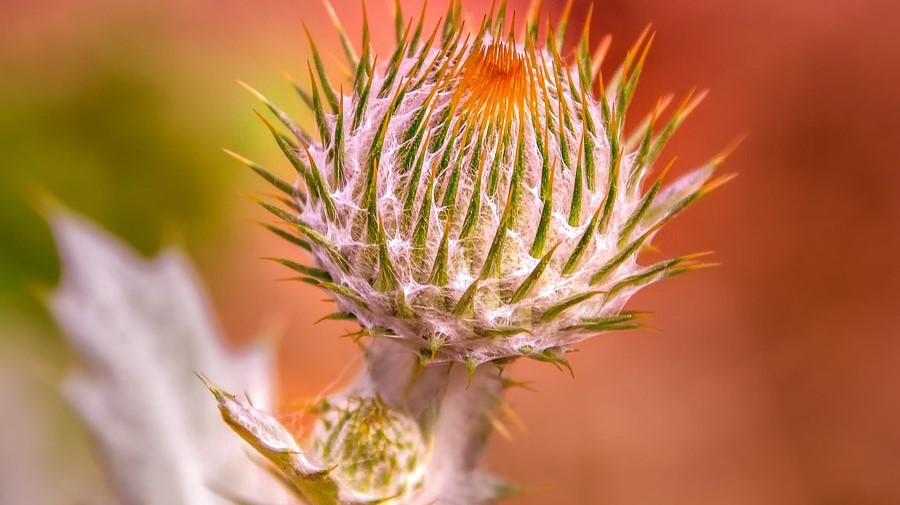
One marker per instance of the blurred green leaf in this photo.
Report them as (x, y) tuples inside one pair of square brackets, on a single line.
[(113, 146)]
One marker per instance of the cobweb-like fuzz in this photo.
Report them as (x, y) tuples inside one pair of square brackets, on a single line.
[(473, 198)]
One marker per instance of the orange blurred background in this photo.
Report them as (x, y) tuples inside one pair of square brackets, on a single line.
[(772, 379)]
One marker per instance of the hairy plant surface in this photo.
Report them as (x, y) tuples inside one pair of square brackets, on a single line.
[(474, 198)]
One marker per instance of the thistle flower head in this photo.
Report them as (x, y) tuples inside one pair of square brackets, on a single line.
[(475, 195)]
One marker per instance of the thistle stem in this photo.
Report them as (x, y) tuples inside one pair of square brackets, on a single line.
[(453, 409)]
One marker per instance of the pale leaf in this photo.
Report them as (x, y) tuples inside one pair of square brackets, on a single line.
[(142, 327)]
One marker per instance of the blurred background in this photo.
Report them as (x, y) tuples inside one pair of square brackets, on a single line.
[(773, 379)]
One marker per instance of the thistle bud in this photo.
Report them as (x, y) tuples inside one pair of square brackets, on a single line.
[(373, 449), (476, 197)]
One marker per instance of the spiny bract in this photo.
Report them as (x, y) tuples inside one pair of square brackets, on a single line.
[(473, 198)]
